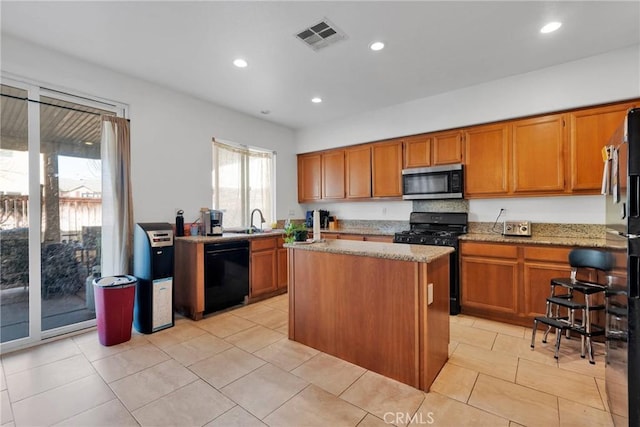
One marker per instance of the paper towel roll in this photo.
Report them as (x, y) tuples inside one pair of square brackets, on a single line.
[(316, 225)]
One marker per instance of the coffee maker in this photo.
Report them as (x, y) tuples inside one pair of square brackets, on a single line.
[(324, 219), (211, 222)]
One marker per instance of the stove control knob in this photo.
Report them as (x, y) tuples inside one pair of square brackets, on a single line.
[(423, 240)]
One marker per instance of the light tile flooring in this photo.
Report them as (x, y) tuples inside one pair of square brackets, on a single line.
[(239, 369)]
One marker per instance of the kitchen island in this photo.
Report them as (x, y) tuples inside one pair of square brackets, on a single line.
[(381, 306)]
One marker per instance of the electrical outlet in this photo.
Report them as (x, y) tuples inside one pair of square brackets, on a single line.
[(384, 211), (292, 212)]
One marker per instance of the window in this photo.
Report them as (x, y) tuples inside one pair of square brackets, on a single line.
[(243, 180)]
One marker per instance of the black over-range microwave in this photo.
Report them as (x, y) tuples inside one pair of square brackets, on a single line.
[(437, 182)]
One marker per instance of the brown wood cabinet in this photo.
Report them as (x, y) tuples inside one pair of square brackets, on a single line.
[(358, 172), (378, 238), (539, 267), (538, 147), (346, 236), (386, 172), (487, 150), (283, 275), (333, 182), (264, 267), (509, 282), (590, 130), (447, 147), (361, 237), (431, 149), (338, 302), (309, 177), (553, 154), (417, 151), (489, 277)]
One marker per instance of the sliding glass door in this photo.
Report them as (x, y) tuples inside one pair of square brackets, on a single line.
[(52, 212), (14, 215)]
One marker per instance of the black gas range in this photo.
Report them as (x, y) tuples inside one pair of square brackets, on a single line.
[(439, 229)]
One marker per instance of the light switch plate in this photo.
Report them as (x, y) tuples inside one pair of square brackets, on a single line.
[(517, 228)]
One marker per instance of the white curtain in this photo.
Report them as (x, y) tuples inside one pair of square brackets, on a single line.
[(242, 181), (117, 201)]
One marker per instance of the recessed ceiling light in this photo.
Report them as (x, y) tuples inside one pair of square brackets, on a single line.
[(316, 100), (550, 27), (376, 46), (240, 63)]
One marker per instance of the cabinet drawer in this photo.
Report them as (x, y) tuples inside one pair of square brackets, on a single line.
[(262, 244), (384, 239), (560, 255), (489, 250), (351, 237)]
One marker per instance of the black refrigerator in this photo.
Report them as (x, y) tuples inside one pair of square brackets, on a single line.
[(621, 183)]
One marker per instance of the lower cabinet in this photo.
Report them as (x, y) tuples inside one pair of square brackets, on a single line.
[(283, 271), (489, 277), (539, 267), (509, 282), (265, 276), (359, 237)]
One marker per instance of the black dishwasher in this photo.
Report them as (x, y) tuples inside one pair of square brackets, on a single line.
[(226, 274)]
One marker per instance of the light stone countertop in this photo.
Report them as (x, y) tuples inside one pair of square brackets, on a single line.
[(229, 237), (537, 240), (396, 251)]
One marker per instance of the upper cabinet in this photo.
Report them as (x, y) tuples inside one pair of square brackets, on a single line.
[(591, 129), (447, 147), (431, 149), (309, 177), (553, 154), (358, 172), (486, 155), (520, 157), (386, 172), (538, 147), (417, 151), (333, 174)]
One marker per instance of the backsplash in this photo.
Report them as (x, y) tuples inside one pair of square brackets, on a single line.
[(457, 205), (380, 226), (545, 229)]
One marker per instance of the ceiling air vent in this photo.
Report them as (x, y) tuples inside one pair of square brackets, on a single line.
[(321, 35)]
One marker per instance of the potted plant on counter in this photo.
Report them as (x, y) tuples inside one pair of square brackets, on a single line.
[(295, 232)]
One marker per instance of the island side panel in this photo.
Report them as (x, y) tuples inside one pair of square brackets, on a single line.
[(360, 309), (314, 298), (377, 315), (434, 319), (189, 279)]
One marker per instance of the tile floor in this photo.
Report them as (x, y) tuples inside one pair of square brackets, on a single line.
[(239, 369)]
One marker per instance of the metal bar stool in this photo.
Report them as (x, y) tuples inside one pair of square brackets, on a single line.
[(562, 304)]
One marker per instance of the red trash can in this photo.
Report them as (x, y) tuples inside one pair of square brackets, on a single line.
[(114, 297)]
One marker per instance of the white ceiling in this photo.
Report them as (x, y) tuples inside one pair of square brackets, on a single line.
[(432, 47)]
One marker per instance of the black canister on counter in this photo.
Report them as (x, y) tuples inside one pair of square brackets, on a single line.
[(180, 223)]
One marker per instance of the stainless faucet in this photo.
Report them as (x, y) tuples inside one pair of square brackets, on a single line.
[(262, 220)]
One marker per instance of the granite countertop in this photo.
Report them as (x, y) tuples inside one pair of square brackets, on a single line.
[(400, 252), (228, 237), (592, 242)]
